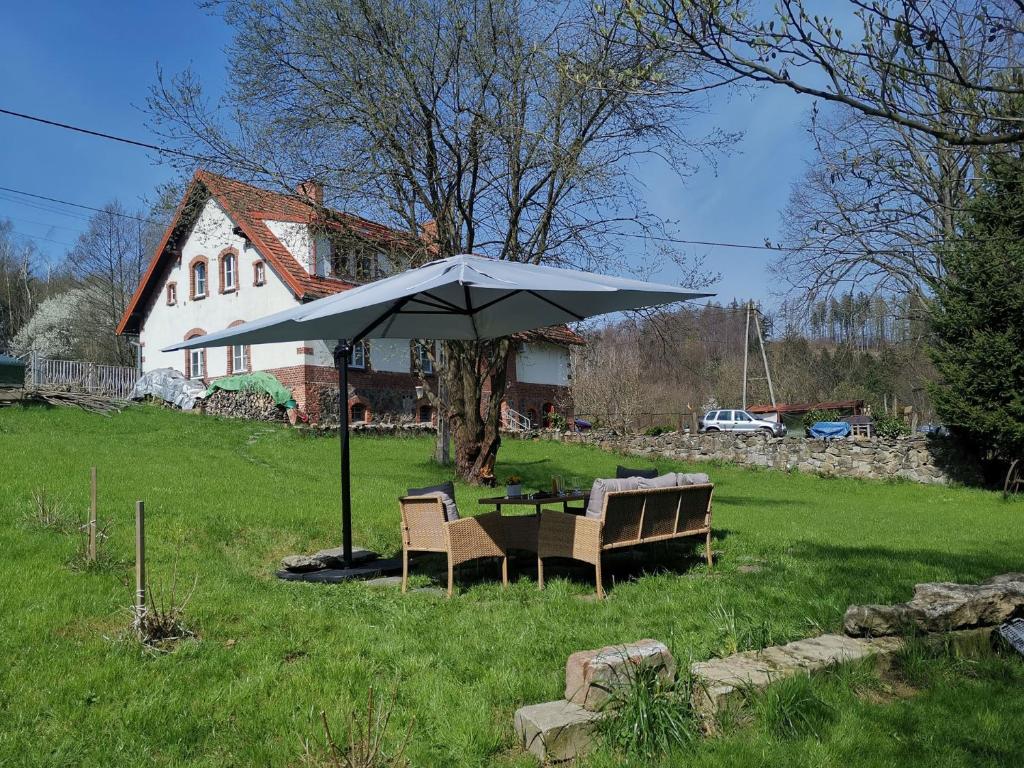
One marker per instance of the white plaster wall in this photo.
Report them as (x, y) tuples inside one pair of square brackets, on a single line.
[(166, 325), (542, 363), (297, 239)]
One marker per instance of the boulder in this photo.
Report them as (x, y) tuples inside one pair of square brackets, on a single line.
[(941, 607), (301, 563), (556, 730), (591, 677)]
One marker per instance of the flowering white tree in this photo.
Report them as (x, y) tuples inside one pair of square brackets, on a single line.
[(55, 328)]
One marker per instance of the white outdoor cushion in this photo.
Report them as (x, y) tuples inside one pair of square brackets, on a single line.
[(601, 486), (692, 478)]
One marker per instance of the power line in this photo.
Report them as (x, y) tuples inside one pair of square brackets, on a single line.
[(78, 205), (102, 135)]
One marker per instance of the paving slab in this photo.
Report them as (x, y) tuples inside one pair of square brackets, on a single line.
[(724, 682), (556, 730)]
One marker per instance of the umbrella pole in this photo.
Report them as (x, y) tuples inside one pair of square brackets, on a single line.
[(341, 352)]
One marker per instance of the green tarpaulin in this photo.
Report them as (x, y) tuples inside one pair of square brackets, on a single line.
[(254, 382)]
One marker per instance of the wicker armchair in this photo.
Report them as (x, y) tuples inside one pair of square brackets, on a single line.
[(629, 518), (424, 529)]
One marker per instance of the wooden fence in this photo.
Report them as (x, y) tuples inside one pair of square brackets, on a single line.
[(111, 380)]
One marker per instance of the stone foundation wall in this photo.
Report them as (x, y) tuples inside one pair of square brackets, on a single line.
[(919, 458)]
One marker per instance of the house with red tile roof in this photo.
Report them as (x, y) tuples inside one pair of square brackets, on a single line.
[(234, 252)]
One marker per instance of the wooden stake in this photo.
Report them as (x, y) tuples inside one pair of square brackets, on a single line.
[(140, 558), (92, 517)]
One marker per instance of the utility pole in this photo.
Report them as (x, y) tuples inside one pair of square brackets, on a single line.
[(746, 347), (764, 357)]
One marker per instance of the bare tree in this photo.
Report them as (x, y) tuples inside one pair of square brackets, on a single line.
[(110, 258), (512, 126), (895, 50)]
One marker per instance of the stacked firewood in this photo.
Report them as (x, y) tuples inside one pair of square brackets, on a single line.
[(255, 406)]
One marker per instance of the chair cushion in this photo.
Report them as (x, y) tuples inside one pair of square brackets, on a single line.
[(693, 478), (668, 480), (601, 486), (621, 471), (446, 492)]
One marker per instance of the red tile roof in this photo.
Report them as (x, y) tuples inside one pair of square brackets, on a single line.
[(250, 208), (556, 334)]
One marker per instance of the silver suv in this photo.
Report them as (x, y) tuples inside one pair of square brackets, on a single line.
[(739, 421)]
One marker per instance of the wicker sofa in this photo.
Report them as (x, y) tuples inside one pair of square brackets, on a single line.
[(425, 529), (627, 518)]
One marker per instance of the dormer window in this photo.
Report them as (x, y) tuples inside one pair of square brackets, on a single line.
[(198, 277), (172, 294), (259, 273), (228, 272)]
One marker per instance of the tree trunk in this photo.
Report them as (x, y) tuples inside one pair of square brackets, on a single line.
[(475, 415)]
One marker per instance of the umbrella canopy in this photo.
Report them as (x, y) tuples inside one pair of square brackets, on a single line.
[(461, 297)]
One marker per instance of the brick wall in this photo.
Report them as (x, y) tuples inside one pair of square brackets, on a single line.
[(315, 389)]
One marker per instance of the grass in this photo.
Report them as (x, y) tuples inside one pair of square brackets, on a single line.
[(225, 500)]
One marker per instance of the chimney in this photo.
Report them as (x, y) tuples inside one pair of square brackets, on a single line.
[(312, 190)]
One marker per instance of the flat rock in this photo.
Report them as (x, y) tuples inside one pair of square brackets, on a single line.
[(335, 557), (719, 682), (302, 563), (941, 607), (556, 730), (591, 677)]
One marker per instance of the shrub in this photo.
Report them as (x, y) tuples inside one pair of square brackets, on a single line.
[(658, 430), (812, 417), (365, 741), (890, 427), (160, 624)]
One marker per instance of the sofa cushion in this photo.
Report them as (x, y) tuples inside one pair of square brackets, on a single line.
[(621, 471), (693, 478), (601, 486), (668, 480), (444, 491)]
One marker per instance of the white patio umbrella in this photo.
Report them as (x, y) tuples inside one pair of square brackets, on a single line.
[(461, 297)]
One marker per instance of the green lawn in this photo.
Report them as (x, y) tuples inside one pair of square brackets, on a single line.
[(225, 500)]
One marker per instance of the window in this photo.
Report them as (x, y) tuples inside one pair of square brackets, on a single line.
[(422, 358), (239, 358), (725, 415), (358, 411), (426, 414), (199, 280), (357, 356), (365, 267), (197, 363), (172, 294), (228, 273), (259, 273), (742, 416)]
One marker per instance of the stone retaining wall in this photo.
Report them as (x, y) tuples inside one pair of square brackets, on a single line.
[(919, 458)]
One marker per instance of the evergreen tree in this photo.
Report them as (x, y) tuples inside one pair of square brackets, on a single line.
[(977, 317)]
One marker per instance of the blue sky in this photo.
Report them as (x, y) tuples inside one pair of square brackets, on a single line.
[(91, 64)]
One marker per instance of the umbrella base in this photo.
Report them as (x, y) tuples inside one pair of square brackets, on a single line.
[(368, 570)]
